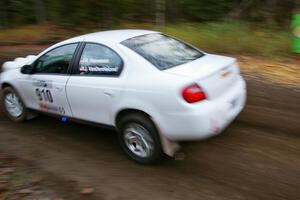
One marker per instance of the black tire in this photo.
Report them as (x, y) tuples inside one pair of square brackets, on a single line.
[(143, 122), (20, 118)]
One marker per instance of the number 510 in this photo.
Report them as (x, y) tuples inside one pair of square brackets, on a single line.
[(44, 95)]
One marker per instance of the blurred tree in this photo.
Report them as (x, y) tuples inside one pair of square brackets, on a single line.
[(40, 14), (18, 12), (239, 8), (160, 12), (173, 14), (297, 6), (3, 14), (269, 11), (274, 12), (284, 11), (202, 10), (105, 13)]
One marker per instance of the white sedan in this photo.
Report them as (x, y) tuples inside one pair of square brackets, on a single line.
[(154, 89)]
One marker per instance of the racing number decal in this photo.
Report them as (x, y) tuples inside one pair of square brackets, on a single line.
[(44, 95), (42, 90), (45, 98)]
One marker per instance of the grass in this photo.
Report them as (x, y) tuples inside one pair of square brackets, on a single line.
[(33, 34), (235, 38), (225, 37)]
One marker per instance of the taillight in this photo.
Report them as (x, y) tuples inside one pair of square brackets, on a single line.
[(193, 93)]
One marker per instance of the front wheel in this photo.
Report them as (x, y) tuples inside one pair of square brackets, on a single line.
[(13, 105), (139, 139)]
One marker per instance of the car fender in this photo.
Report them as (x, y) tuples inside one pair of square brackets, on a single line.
[(10, 77), (169, 147), (18, 62)]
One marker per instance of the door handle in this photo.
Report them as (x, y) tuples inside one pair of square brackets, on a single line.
[(109, 93), (58, 88)]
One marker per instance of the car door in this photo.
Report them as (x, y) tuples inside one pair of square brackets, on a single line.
[(96, 83), (44, 89)]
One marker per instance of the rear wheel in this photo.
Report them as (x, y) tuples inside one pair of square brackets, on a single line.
[(139, 139), (13, 105)]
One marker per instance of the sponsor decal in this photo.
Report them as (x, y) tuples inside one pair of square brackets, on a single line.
[(64, 119), (52, 108), (43, 106), (92, 61), (103, 68), (42, 83)]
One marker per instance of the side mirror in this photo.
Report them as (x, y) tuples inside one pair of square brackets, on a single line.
[(27, 69)]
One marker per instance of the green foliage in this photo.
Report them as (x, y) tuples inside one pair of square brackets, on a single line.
[(224, 37), (34, 34), (205, 10), (233, 26), (234, 37), (105, 13)]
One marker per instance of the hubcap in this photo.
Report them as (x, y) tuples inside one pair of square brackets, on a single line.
[(13, 105), (138, 140)]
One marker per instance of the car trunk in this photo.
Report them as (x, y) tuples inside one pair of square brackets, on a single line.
[(214, 74)]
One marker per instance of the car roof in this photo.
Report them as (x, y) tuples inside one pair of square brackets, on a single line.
[(113, 36), (104, 37)]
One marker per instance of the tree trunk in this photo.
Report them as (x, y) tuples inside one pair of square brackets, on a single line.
[(172, 14), (297, 6), (106, 20), (269, 11), (237, 12), (3, 15), (160, 13), (39, 8)]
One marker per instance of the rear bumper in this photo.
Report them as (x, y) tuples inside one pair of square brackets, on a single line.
[(207, 118)]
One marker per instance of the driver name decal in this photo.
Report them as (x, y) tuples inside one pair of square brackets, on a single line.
[(42, 83)]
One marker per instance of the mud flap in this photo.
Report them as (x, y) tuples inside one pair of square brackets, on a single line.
[(169, 147)]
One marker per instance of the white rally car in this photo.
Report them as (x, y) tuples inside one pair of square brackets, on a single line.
[(154, 89)]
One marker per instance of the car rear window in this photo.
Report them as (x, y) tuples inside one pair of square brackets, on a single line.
[(162, 51)]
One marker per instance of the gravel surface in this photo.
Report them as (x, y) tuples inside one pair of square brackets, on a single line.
[(257, 157)]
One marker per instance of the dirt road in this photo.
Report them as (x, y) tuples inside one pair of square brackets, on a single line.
[(257, 157)]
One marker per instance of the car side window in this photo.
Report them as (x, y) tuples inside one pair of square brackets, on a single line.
[(98, 59), (55, 61)]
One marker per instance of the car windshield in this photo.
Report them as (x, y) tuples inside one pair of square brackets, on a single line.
[(162, 51)]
